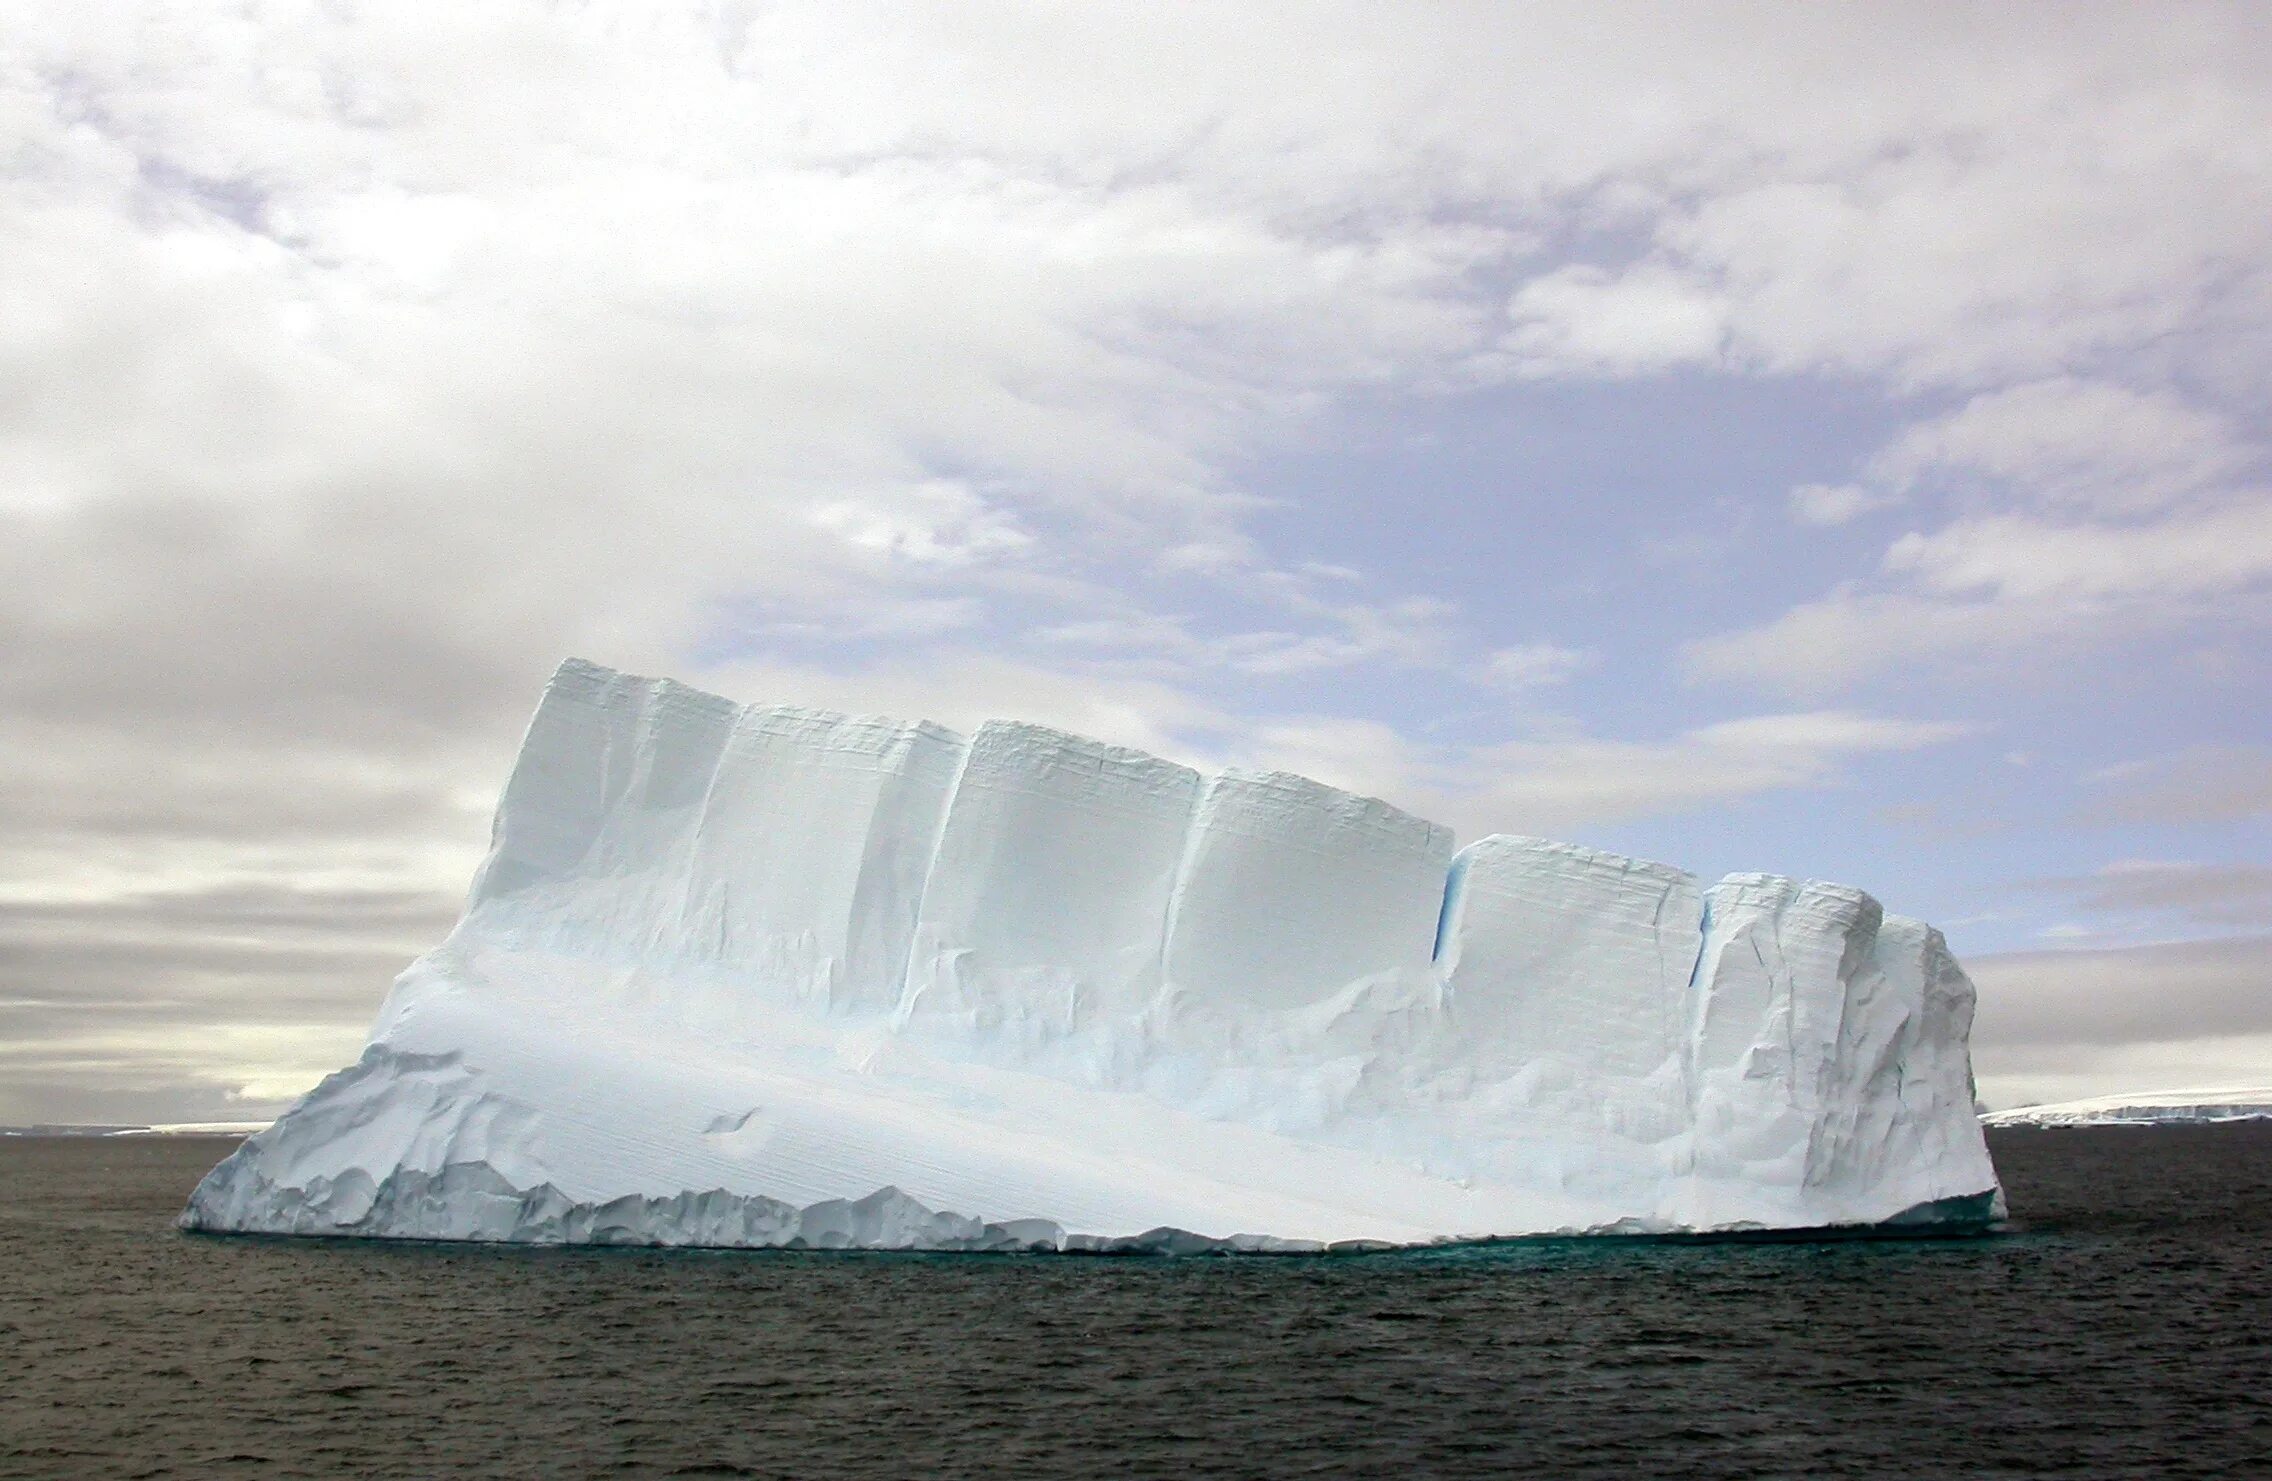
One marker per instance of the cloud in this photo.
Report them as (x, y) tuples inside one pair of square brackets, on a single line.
[(2125, 534), (217, 1001), (1322, 632), (936, 522), (357, 371), (2079, 511), (2201, 784), (1945, 267), (1535, 665), (2017, 559), (355, 366), (1568, 782), (2070, 444), (1558, 784), (1942, 257), (2195, 893), (2002, 588), (1582, 319), (2037, 1076), (1836, 503), (2062, 1024), (2066, 446), (2084, 514), (2181, 990)]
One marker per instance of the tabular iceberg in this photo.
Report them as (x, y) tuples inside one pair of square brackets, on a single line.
[(770, 976)]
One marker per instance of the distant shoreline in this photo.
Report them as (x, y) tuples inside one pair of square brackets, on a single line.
[(183, 1128)]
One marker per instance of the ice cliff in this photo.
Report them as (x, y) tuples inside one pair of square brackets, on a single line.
[(770, 976)]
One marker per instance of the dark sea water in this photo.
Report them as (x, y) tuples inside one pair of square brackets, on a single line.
[(2122, 1332)]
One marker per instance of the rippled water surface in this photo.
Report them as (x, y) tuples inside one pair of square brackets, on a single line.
[(2121, 1333)]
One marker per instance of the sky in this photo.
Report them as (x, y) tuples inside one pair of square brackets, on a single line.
[(1823, 440)]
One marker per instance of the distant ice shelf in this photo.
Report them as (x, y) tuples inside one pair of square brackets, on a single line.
[(177, 1128), (773, 976), (2146, 1108)]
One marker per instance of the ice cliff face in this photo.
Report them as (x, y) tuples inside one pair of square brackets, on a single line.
[(768, 976)]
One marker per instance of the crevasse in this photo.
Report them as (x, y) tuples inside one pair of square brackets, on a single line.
[(725, 966)]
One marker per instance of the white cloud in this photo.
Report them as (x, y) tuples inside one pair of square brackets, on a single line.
[(2014, 557), (1536, 665), (1323, 622), (2071, 445), (1584, 320), (355, 364), (1836, 503), (1986, 590), (2068, 447), (936, 522), (1853, 634), (1362, 756), (1563, 783)]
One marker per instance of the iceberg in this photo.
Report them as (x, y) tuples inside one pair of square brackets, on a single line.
[(769, 976), (2146, 1108)]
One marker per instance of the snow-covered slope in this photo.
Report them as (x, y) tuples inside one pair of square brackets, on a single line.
[(2147, 1108), (773, 976)]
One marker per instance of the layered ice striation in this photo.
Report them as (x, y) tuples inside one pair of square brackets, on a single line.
[(2201, 1107), (772, 976)]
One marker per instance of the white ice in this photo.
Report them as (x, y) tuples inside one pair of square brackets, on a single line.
[(2147, 1108), (766, 975)]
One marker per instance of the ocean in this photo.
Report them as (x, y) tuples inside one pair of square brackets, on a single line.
[(2122, 1330)]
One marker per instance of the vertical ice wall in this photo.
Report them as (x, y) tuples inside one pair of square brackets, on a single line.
[(815, 838), (1772, 980), (783, 848), (1830, 1054), (1905, 1104), (592, 837), (1765, 1034), (1047, 901), (1290, 890), (1569, 972)]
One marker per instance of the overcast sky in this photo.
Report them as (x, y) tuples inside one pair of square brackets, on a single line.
[(1829, 440)]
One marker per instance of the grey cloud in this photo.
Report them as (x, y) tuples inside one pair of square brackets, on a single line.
[(2203, 784), (111, 1093), (2205, 894), (256, 951), (246, 795), (168, 1005), (2125, 995), (241, 907), (2023, 1075)]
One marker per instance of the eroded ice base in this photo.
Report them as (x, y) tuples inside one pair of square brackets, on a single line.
[(458, 1167)]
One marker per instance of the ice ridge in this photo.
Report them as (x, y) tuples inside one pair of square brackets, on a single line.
[(726, 966)]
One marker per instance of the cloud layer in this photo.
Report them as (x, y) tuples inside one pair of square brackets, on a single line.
[(355, 366)]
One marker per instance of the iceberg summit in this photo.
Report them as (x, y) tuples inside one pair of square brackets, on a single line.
[(748, 976)]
